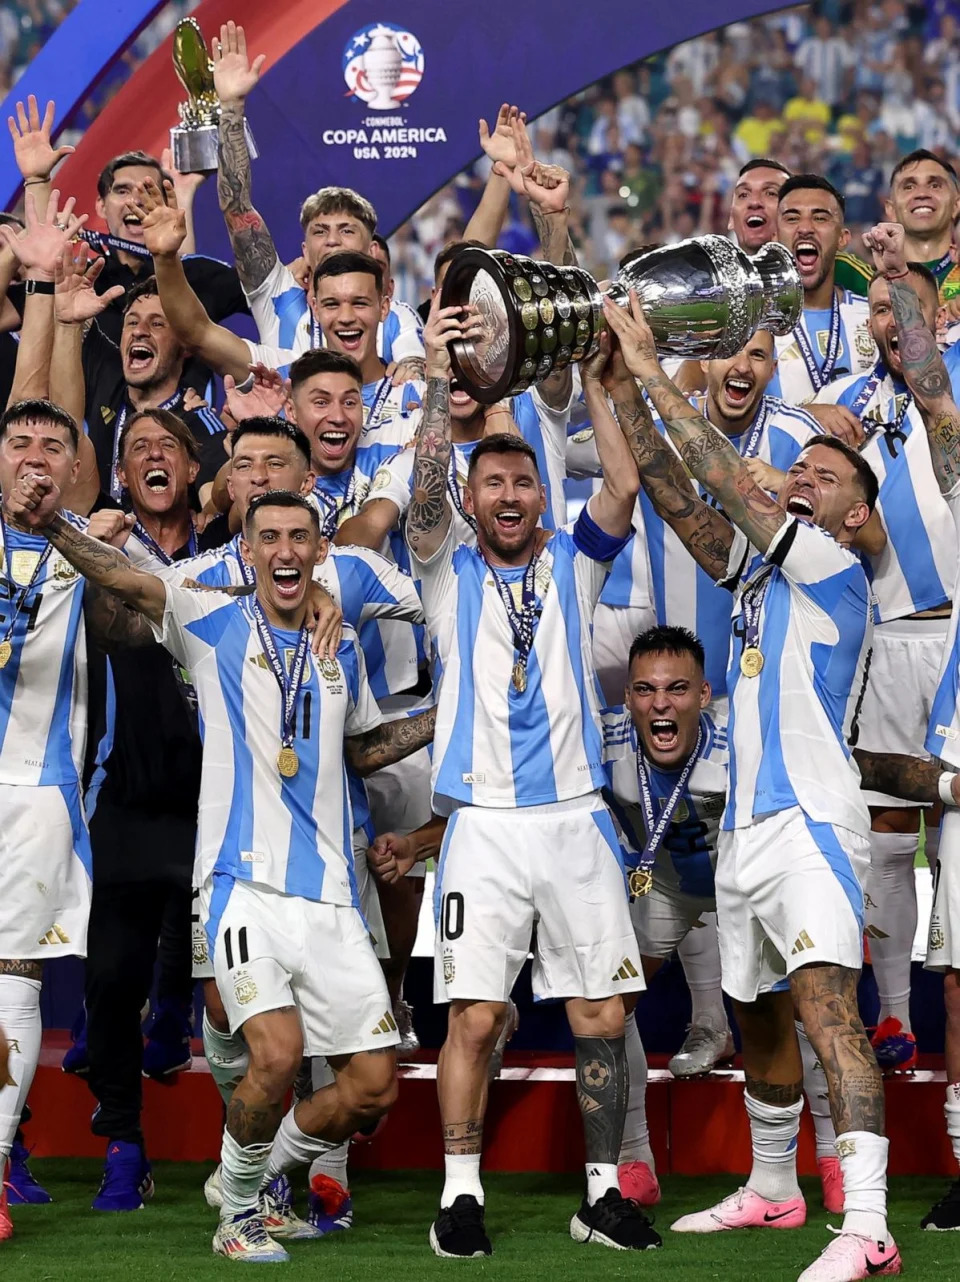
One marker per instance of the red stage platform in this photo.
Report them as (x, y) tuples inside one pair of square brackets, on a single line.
[(698, 1126)]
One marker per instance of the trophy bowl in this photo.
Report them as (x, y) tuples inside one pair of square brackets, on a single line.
[(703, 298)]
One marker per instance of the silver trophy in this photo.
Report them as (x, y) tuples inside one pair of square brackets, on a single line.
[(194, 141), (703, 298)]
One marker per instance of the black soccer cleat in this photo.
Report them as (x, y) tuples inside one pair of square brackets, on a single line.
[(458, 1233), (614, 1221), (944, 1215)]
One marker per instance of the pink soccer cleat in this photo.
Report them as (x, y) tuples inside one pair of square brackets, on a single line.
[(638, 1183), (850, 1257), (744, 1210), (831, 1181), (6, 1224)]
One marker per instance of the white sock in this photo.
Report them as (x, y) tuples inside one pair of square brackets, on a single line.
[(863, 1159), (931, 844), (242, 1168), (292, 1147), (699, 954), (773, 1138), (951, 1111), (818, 1097), (228, 1057), (20, 1020), (462, 1175), (601, 1177), (635, 1145), (890, 895), (333, 1164)]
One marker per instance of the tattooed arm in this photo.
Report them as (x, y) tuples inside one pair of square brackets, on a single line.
[(234, 77), (705, 451), (112, 624), (923, 369), (911, 778), (704, 531), (389, 742)]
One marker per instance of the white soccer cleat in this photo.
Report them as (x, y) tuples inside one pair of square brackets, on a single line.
[(850, 1257), (243, 1238), (279, 1217), (510, 1025), (703, 1049), (213, 1190), (744, 1210)]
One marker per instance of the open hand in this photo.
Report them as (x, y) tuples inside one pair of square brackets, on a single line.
[(234, 77), (499, 144), (33, 151), (75, 299), (43, 240), (163, 223)]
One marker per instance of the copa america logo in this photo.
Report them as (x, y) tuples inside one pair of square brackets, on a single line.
[(382, 65)]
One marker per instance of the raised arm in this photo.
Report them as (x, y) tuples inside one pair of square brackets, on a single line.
[(923, 369), (704, 532), (34, 504), (707, 453), (389, 742), (487, 220), (164, 228), (234, 78), (76, 303), (33, 151), (612, 507)]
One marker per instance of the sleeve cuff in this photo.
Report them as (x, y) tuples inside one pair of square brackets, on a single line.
[(594, 542)]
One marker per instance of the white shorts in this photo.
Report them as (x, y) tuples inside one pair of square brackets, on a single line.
[(558, 868), (273, 950), (399, 797), (897, 702), (943, 940), (614, 630), (788, 895), (663, 918), (45, 866), (202, 961)]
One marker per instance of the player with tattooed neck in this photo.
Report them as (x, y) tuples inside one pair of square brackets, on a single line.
[(793, 845), (927, 378), (518, 767)]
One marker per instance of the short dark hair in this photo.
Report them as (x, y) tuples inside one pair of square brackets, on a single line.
[(501, 443), (146, 288), (170, 423), (814, 182), (381, 241), (920, 270), (124, 161), (450, 252), (921, 153), (37, 410), (264, 425), (865, 473), (279, 498), (345, 262), (764, 162), (321, 360), (667, 640)]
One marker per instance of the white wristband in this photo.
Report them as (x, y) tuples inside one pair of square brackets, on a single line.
[(945, 787)]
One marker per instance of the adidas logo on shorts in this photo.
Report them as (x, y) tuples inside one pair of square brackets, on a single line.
[(803, 942), (387, 1025), (627, 971)]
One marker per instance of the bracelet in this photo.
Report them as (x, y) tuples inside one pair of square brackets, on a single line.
[(896, 275), (32, 182), (39, 287), (944, 787)]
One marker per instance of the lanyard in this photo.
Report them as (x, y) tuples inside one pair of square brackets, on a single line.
[(945, 262), (456, 498), (376, 411), (151, 544), (522, 622), (870, 386), (892, 432), (820, 377), (289, 683), (656, 828), (115, 487), (751, 603), (330, 517), (756, 431), (6, 648), (247, 572), (105, 243)]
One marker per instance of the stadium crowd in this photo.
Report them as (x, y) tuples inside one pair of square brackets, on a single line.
[(652, 657)]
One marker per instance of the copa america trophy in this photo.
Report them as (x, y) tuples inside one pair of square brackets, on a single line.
[(702, 298), (194, 141)]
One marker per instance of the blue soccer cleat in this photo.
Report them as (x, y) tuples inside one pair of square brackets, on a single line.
[(127, 1180), (22, 1186), (329, 1206)]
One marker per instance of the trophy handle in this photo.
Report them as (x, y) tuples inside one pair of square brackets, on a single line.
[(782, 288)]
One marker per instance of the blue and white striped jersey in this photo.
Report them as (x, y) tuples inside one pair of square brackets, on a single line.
[(293, 835), (790, 726), (943, 732), (280, 309), (690, 843), (917, 568), (43, 684), (495, 745), (858, 353)]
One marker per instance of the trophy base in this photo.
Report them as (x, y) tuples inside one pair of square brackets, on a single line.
[(195, 149)]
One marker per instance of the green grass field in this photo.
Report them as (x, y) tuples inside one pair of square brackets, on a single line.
[(527, 1216)]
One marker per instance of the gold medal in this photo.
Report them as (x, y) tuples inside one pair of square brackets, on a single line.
[(751, 661), (640, 882), (6, 651), (519, 677), (288, 763)]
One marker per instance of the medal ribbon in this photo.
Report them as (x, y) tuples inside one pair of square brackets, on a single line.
[(656, 828), (97, 240), (20, 601), (376, 411), (151, 544), (756, 431), (751, 603), (456, 498), (289, 683), (247, 572), (892, 431), (820, 377), (866, 392), (330, 517), (115, 487), (522, 622)]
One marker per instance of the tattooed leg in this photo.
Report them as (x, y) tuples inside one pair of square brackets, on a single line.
[(772, 1068), (602, 1085), (472, 1031)]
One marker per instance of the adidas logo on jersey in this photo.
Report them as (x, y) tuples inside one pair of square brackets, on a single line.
[(803, 942), (627, 971), (55, 935), (387, 1025)]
